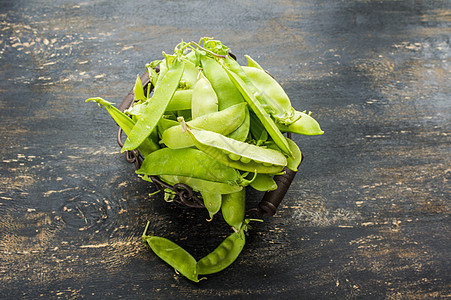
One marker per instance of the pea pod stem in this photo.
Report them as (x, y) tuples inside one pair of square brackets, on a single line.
[(224, 255), (206, 50), (174, 255)]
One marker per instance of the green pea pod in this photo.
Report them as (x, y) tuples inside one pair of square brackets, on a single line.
[(212, 202), (279, 109), (126, 124), (242, 132), (305, 125), (164, 124), (233, 208), (264, 182), (252, 63), (272, 93), (227, 93), (260, 112), (189, 77), (204, 100), (164, 67), (136, 110), (256, 127), (236, 154), (181, 100), (173, 254), (224, 122), (224, 255), (199, 185), (190, 163), (139, 90), (294, 162), (156, 107)]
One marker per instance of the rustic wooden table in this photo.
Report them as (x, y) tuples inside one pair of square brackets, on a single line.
[(367, 216)]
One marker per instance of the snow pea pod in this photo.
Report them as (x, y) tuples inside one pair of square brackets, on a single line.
[(273, 93), (233, 208), (191, 163), (224, 255), (260, 112), (126, 124), (138, 90), (204, 99), (271, 106), (305, 125), (252, 63), (236, 154), (242, 132), (172, 254), (226, 91), (164, 124), (212, 202), (224, 122), (181, 100), (189, 77), (294, 162), (199, 185), (158, 103), (264, 182)]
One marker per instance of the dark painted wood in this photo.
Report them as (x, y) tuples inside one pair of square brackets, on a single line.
[(367, 215)]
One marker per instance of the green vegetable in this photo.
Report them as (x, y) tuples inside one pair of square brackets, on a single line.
[(173, 254), (232, 138), (155, 110)]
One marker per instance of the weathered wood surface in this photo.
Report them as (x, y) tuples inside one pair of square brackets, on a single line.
[(367, 216)]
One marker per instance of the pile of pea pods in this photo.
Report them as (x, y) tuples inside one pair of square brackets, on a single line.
[(216, 126)]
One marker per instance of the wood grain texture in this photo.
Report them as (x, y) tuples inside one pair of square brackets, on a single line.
[(367, 215)]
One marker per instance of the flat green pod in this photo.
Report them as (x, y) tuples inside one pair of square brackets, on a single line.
[(233, 209), (212, 202), (173, 254), (263, 183), (304, 124), (228, 95), (259, 111), (202, 185), (204, 99), (294, 162), (156, 107), (224, 122), (224, 255), (181, 100), (238, 155), (275, 95), (188, 162)]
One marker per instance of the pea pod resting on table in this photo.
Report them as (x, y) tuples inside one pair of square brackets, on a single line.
[(182, 261), (173, 254)]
